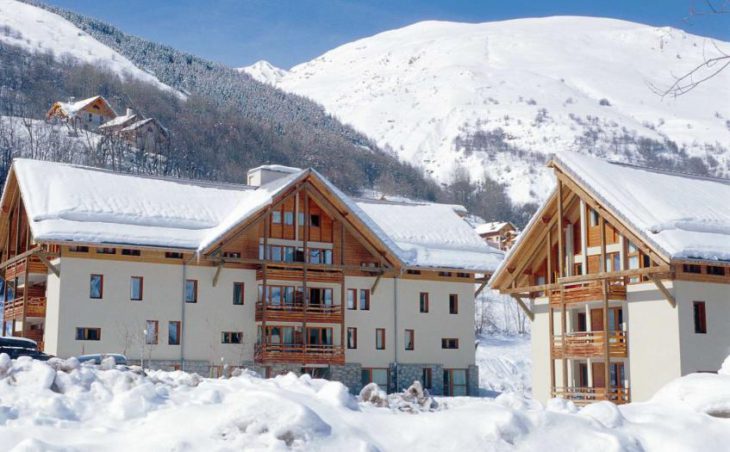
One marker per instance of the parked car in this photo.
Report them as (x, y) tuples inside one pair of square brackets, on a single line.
[(97, 358), (16, 347)]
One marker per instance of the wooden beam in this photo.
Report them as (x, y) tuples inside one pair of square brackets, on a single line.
[(20, 256), (602, 230), (606, 343), (55, 270), (217, 272), (530, 289), (663, 289), (481, 287), (375, 284), (524, 307), (661, 269), (561, 252)]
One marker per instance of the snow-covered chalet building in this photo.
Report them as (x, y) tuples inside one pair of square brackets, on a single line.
[(626, 273), (285, 273)]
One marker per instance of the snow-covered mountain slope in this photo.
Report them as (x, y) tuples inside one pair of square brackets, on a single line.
[(500, 96), (264, 72), (36, 29)]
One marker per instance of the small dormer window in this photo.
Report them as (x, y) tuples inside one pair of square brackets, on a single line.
[(91, 117)]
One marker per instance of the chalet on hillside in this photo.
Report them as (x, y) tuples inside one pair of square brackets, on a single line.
[(86, 114), (285, 274), (625, 272), (500, 234)]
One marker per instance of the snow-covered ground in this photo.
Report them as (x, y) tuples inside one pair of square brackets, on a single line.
[(61, 406), (504, 364), (548, 84)]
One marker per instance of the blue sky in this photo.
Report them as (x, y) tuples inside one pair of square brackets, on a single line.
[(240, 32)]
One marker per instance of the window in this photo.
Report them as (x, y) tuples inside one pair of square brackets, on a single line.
[(364, 299), (78, 249), (455, 382), (426, 378), (593, 217), (445, 274), (136, 287), (173, 255), (463, 275), (413, 272), (692, 268), (96, 286), (231, 337), (191, 291), (314, 221), (380, 339), (453, 303), (377, 376), (449, 343), (238, 293), (715, 270), (173, 333), (351, 299), (700, 317), (231, 254), (613, 262), (88, 334), (288, 218), (423, 302), (351, 338), (130, 252), (276, 217), (106, 251), (320, 296), (151, 332), (319, 336), (409, 339)]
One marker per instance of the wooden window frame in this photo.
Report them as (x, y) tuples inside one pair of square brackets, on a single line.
[(699, 314), (454, 308), (715, 270), (370, 370), (352, 333), (141, 288), (243, 293), (423, 302), (101, 286), (446, 341), (449, 388), (320, 335), (412, 333), (156, 325), (78, 249), (131, 252), (367, 299), (427, 378), (195, 291), (378, 333), (274, 214), (84, 330), (106, 250), (355, 300), (692, 268), (229, 335), (178, 329), (173, 255)]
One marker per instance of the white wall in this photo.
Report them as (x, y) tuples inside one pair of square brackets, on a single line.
[(540, 337)]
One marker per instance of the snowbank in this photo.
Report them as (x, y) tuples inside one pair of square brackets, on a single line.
[(62, 406)]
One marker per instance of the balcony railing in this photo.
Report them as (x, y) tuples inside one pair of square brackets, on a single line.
[(36, 307), (588, 291), (586, 395), (587, 344), (299, 312), (299, 353)]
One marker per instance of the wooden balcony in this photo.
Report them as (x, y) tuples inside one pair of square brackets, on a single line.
[(589, 291), (299, 312), (299, 353), (584, 344), (18, 268), (14, 309), (584, 395), (319, 274)]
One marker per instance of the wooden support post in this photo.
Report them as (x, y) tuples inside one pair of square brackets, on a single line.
[(602, 224), (663, 289), (375, 284), (343, 291), (563, 333), (218, 269), (551, 328), (523, 306), (561, 258), (606, 355), (481, 288), (264, 288), (549, 254), (26, 283), (305, 240), (55, 270)]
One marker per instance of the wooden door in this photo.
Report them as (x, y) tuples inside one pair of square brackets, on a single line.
[(597, 319), (599, 376)]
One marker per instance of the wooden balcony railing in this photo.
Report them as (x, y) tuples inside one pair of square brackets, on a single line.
[(589, 344), (299, 353), (14, 308), (299, 312), (586, 395), (588, 291), (319, 274), (18, 268)]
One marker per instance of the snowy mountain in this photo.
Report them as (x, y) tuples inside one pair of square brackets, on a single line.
[(38, 30), (501, 96), (264, 72)]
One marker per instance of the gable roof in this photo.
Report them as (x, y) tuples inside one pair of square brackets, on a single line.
[(495, 226), (119, 121), (143, 122), (681, 216), (80, 204), (70, 109)]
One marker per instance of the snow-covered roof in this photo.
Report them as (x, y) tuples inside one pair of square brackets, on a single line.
[(142, 122), (72, 108), (431, 235), (277, 168), (118, 121), (488, 228), (74, 203), (683, 216)]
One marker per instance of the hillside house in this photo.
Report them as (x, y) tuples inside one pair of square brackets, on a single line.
[(625, 272), (87, 114), (289, 274), (146, 135), (500, 234)]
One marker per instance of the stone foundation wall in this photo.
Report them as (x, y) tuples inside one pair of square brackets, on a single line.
[(349, 375), (473, 380)]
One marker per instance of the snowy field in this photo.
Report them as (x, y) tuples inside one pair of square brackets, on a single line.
[(504, 364), (61, 406)]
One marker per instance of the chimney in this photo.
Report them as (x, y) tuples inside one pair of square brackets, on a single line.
[(130, 112), (266, 173)]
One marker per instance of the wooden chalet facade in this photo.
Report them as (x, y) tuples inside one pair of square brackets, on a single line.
[(289, 276), (500, 234), (619, 282), (87, 114)]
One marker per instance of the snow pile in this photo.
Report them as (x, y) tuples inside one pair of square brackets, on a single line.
[(38, 30), (504, 364), (538, 84), (63, 406)]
